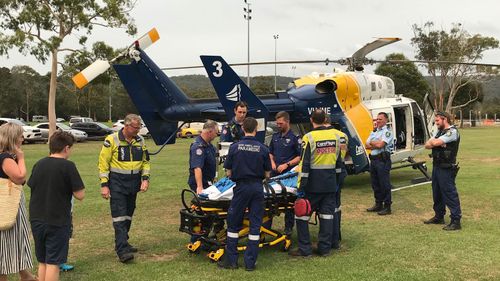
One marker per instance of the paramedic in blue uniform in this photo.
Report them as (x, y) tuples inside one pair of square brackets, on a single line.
[(381, 143), (318, 182), (284, 151), (202, 163), (247, 164), (444, 171), (232, 131)]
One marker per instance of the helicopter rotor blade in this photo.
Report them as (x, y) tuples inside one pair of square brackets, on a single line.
[(325, 61), (98, 67)]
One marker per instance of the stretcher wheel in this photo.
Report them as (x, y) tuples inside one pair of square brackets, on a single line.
[(194, 247), (215, 256), (286, 245)]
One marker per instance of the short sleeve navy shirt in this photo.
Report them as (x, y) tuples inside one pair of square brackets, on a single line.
[(202, 155), (284, 147), (248, 159)]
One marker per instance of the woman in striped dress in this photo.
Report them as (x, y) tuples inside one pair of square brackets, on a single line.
[(15, 250)]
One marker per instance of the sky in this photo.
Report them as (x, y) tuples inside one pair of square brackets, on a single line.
[(307, 30)]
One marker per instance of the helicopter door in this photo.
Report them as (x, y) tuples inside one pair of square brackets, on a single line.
[(402, 123), (419, 129)]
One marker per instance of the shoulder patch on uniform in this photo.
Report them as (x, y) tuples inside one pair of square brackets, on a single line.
[(387, 134), (199, 151), (106, 143), (448, 134)]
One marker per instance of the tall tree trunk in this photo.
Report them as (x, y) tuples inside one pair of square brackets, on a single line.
[(52, 94)]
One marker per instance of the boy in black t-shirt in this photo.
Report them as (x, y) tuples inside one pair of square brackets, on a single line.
[(53, 181)]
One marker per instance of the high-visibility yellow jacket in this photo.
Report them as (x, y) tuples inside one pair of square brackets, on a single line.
[(119, 156), (321, 149), (344, 141)]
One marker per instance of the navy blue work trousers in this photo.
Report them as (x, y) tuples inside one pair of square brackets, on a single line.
[(444, 193), (381, 183), (123, 191), (324, 204), (247, 194)]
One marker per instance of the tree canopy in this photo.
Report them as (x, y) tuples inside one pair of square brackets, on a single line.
[(407, 79), (39, 28), (455, 45)]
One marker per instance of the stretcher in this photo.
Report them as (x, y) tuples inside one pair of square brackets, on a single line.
[(204, 215)]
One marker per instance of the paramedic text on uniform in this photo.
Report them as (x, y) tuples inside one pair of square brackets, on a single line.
[(318, 182), (444, 171), (381, 142), (247, 164), (232, 131), (124, 170)]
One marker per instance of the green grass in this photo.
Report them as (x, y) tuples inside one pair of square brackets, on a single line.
[(396, 247)]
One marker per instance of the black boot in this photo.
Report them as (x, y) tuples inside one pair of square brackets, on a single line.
[(386, 210), (454, 225), (375, 208), (434, 220)]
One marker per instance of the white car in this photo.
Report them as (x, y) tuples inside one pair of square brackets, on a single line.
[(30, 134), (44, 129), (74, 120), (121, 123)]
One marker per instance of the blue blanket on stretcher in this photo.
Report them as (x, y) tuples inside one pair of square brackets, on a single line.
[(223, 189)]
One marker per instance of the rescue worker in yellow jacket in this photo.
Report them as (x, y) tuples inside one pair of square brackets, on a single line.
[(124, 171), (341, 175), (318, 182)]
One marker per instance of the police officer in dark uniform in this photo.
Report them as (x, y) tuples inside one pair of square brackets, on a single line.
[(318, 181), (285, 154), (202, 163), (232, 131), (381, 142), (247, 164), (444, 171)]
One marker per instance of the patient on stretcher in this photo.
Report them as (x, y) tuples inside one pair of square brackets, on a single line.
[(223, 189)]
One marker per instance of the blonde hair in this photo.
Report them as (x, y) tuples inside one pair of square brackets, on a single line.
[(9, 135)]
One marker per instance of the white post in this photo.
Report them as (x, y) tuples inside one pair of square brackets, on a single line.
[(275, 59)]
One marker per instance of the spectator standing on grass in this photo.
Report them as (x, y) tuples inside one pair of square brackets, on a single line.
[(15, 249), (54, 181)]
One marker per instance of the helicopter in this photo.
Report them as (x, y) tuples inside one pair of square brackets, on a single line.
[(352, 99)]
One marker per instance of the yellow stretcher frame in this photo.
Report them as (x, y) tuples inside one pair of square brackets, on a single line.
[(276, 237)]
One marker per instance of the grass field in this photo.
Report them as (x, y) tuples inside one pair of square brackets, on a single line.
[(396, 247)]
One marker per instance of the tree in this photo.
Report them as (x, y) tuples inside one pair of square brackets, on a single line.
[(40, 28), (457, 45), (91, 95), (407, 79)]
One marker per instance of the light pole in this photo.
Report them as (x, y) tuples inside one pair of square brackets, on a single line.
[(293, 71), (470, 118), (275, 57), (248, 17)]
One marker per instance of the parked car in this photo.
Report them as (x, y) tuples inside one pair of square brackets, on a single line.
[(44, 129), (190, 130), (30, 134), (93, 129), (121, 123), (74, 120), (39, 118)]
